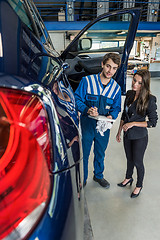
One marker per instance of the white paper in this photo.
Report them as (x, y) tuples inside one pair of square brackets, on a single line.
[(103, 118)]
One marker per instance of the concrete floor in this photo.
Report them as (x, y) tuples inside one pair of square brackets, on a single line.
[(113, 214)]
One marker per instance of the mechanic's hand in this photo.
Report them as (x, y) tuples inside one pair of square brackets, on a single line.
[(109, 116), (93, 111)]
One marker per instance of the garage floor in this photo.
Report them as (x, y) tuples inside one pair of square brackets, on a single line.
[(113, 214)]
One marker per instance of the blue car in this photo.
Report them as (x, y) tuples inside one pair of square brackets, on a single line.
[(41, 174)]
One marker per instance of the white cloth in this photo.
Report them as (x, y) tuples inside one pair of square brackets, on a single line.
[(102, 126)]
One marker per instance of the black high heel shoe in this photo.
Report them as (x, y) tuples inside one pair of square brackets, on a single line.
[(133, 195), (123, 185)]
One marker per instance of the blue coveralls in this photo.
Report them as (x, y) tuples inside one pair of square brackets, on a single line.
[(91, 92)]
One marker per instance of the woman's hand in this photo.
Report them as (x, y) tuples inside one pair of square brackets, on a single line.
[(127, 126), (118, 137)]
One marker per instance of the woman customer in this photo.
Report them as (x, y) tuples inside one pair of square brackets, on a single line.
[(139, 114)]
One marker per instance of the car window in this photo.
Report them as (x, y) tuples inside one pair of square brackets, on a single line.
[(38, 22), (104, 36), (19, 7), (42, 31), (41, 26), (44, 69), (29, 15)]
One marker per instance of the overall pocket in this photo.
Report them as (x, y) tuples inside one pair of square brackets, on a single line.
[(105, 105), (92, 100)]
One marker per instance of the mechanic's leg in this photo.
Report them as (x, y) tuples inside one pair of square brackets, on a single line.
[(87, 140), (100, 145)]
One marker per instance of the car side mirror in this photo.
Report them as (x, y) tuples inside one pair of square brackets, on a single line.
[(85, 43)]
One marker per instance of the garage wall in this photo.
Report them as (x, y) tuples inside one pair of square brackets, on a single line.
[(155, 57), (58, 40), (155, 47)]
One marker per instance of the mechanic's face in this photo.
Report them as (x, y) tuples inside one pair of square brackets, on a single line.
[(109, 69)]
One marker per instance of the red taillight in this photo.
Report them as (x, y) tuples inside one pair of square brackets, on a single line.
[(24, 174)]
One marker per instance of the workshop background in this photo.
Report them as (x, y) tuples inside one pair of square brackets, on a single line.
[(113, 215)]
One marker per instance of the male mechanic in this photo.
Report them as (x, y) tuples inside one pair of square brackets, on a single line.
[(96, 95)]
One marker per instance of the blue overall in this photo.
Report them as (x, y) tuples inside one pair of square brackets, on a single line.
[(91, 92)]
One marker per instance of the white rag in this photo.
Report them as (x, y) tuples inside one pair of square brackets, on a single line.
[(102, 126)]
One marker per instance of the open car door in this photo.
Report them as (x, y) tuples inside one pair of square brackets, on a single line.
[(110, 32)]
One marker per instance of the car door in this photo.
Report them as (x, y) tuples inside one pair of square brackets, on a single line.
[(110, 32)]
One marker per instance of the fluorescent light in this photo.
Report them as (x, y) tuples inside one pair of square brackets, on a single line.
[(122, 32)]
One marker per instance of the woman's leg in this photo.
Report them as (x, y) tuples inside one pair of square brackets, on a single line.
[(139, 147), (128, 151)]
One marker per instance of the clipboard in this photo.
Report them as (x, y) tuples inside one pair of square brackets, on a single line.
[(103, 118)]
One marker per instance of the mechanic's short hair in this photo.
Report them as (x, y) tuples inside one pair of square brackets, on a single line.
[(113, 56)]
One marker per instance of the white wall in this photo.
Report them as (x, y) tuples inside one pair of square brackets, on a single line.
[(155, 46), (58, 40)]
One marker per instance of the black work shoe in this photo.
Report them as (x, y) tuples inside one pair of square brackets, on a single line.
[(84, 184), (103, 182)]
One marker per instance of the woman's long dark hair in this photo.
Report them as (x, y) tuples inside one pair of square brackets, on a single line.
[(143, 98)]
